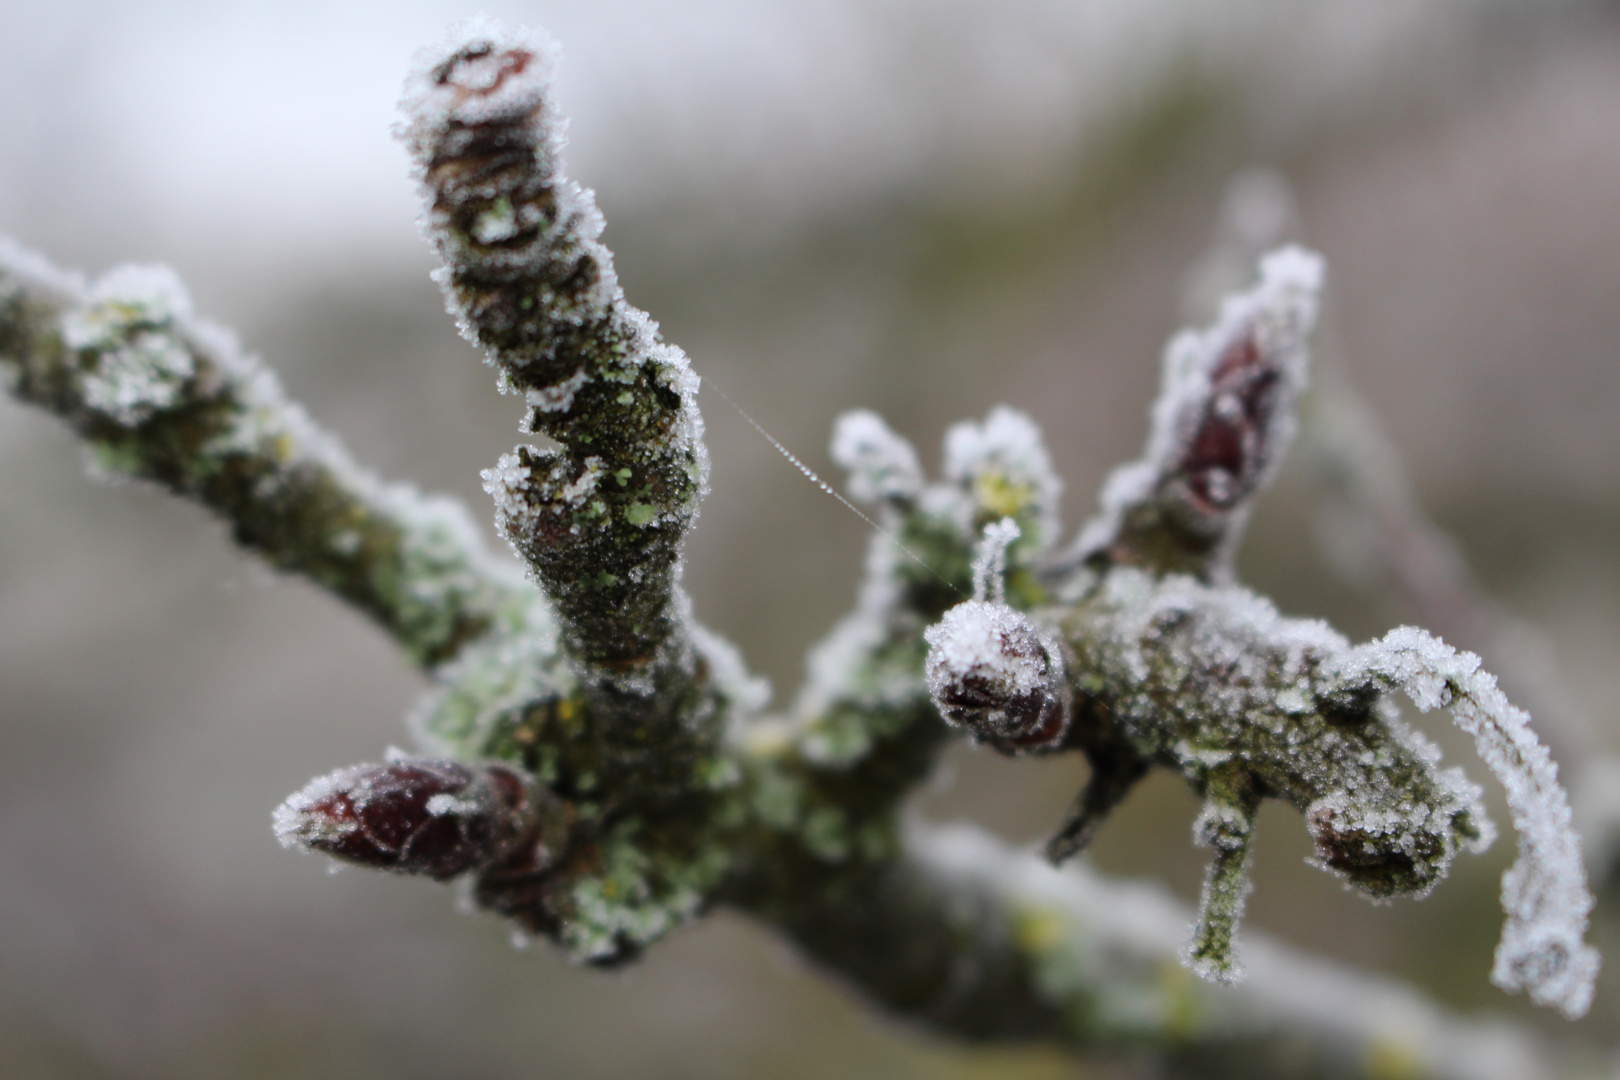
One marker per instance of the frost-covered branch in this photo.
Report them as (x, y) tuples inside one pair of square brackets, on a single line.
[(1544, 892), (160, 395), (596, 766), (600, 519), (1005, 946), (1171, 667), (1374, 528)]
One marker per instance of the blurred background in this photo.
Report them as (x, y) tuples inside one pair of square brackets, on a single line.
[(925, 207)]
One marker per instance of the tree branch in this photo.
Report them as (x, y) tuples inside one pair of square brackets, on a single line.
[(999, 945), (162, 396), (601, 773)]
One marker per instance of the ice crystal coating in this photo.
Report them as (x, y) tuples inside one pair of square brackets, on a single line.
[(990, 669), (162, 395), (635, 696), (133, 366), (1226, 824), (1248, 705), (561, 522), (990, 561), (990, 672), (1544, 892), (488, 148), (600, 520), (882, 466), (1004, 464)]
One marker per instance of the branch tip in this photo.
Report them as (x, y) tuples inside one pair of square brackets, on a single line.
[(1222, 421), (438, 819), (1544, 893)]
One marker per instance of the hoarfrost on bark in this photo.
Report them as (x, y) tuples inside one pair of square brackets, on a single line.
[(600, 519), (162, 395), (134, 366), (601, 773)]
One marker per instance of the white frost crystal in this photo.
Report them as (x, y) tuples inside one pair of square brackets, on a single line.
[(137, 366), (881, 464), (1544, 893), (1004, 462), (990, 561), (991, 669), (969, 640), (988, 670)]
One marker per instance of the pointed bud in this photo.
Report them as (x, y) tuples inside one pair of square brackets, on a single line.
[(1234, 432), (436, 818), (1228, 407), (1223, 419)]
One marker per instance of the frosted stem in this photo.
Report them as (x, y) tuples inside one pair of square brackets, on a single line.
[(161, 395), (990, 561), (1227, 825), (601, 519), (1544, 892)]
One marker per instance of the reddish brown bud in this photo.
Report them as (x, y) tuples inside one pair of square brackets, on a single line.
[(1382, 855), (992, 672), (1225, 415), (1223, 420), (438, 818), (1235, 437)]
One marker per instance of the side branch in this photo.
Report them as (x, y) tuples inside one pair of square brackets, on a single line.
[(160, 395), (1544, 893), (600, 519)]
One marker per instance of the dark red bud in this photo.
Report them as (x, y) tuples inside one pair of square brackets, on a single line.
[(436, 818), (1380, 858), (1232, 442), (990, 671)]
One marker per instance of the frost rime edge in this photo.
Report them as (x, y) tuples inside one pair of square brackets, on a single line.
[(1544, 892)]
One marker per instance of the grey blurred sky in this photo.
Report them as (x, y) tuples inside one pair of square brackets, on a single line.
[(252, 132)]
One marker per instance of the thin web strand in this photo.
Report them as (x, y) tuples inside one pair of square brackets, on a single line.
[(810, 474)]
